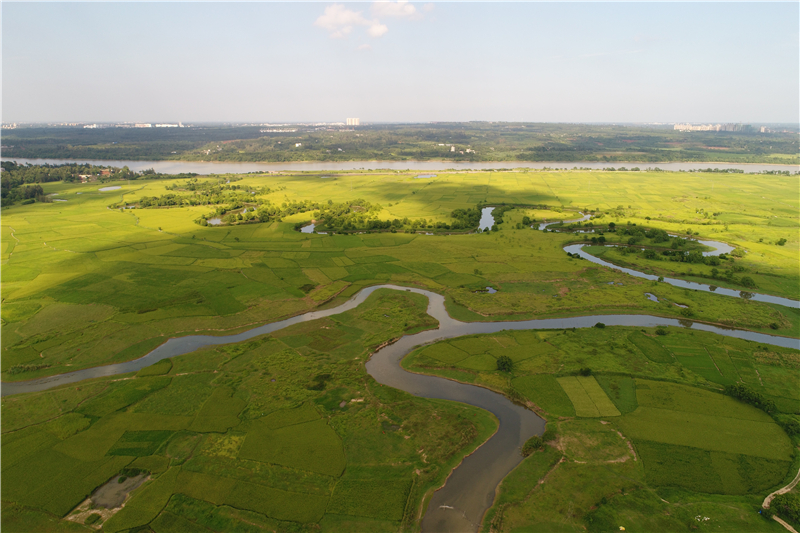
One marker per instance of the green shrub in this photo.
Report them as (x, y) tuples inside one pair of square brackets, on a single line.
[(787, 506), (742, 392), (531, 445), (748, 282), (791, 426), (19, 369), (504, 363), (92, 519)]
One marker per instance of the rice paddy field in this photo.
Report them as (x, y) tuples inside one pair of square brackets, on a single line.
[(288, 433)]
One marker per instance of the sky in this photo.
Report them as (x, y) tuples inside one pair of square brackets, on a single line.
[(401, 62)]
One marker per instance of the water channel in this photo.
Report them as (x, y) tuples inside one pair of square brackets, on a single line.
[(210, 167), (470, 490), (755, 296), (719, 248)]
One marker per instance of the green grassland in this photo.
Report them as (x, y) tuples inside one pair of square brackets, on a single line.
[(648, 441), (271, 433), (595, 475), (83, 285)]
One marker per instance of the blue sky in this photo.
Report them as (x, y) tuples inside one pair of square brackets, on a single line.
[(390, 62)]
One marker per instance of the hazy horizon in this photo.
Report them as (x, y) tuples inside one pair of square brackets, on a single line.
[(392, 63)]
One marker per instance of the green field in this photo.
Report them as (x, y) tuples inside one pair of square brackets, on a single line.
[(666, 443), (253, 432), (588, 398), (287, 432), (85, 285)]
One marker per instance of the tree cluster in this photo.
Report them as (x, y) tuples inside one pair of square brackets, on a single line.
[(743, 393)]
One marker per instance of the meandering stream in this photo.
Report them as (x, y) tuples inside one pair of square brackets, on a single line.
[(719, 248), (470, 490)]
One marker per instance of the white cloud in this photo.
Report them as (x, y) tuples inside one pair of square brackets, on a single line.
[(399, 9), (340, 21), (365, 47), (427, 8), (377, 29)]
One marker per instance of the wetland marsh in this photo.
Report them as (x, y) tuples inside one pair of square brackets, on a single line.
[(253, 332)]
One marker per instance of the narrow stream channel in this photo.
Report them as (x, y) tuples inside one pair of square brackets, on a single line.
[(755, 296), (719, 249), (469, 492)]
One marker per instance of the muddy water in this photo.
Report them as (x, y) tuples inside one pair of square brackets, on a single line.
[(469, 492)]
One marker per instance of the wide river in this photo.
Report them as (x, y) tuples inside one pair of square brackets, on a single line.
[(470, 490), (208, 167)]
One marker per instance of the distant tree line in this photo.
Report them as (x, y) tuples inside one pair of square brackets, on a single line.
[(474, 141)]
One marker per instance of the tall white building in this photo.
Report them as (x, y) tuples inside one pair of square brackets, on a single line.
[(353, 122)]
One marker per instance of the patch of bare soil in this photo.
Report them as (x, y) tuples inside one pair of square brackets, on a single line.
[(107, 500)]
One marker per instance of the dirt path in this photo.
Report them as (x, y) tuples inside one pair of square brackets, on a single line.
[(784, 490)]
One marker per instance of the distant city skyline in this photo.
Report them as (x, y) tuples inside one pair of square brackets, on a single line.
[(398, 62)]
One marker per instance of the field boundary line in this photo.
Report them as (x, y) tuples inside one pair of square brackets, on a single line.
[(713, 361)]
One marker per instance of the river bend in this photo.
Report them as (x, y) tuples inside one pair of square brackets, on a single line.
[(470, 490)]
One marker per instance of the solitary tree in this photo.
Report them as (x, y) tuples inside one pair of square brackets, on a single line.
[(504, 363)]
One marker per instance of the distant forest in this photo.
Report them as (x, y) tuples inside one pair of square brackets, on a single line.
[(473, 141)]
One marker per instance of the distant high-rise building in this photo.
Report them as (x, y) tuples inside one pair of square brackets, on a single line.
[(353, 122)]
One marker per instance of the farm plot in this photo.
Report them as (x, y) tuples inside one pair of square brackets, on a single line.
[(545, 391), (704, 441), (588, 397)]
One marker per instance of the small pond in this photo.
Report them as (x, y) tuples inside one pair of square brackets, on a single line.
[(487, 290), (487, 220), (651, 297), (112, 188), (214, 221), (424, 176), (308, 228)]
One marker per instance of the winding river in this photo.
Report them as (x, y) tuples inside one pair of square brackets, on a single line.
[(719, 248), (470, 490)]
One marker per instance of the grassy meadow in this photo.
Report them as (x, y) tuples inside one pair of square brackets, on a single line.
[(647, 441), (287, 432), (85, 285)]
